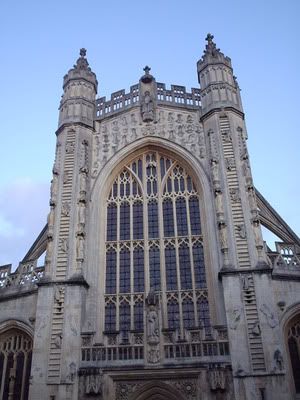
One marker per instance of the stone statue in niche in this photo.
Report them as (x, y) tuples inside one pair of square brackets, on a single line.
[(72, 372), (82, 184), (219, 202), (57, 340), (59, 297), (81, 217), (252, 199), (80, 247), (223, 235), (152, 325), (278, 360), (147, 107), (49, 250), (50, 221), (53, 190), (256, 231), (215, 171), (270, 317)]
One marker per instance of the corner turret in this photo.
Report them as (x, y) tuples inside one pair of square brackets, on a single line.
[(219, 86), (80, 89)]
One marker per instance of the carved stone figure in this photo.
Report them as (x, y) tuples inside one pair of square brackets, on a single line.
[(49, 250), (270, 317), (152, 325), (278, 360), (57, 340), (70, 147), (80, 248), (219, 202), (215, 171), (72, 372), (241, 229), (50, 221), (223, 235), (229, 163), (53, 190), (234, 195), (252, 199), (256, 329), (235, 316), (63, 245), (65, 209), (245, 282), (257, 232), (82, 184), (147, 108), (81, 217)]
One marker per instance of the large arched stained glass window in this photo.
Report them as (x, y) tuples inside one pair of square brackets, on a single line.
[(154, 242), (293, 338)]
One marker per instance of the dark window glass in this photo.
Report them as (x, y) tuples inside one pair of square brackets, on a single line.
[(124, 271), (188, 314), (139, 316), (138, 225), (124, 221), (162, 167), (189, 184), (111, 262), (140, 170), (110, 317), (295, 361), (153, 219), (203, 313), (173, 315), (181, 217), (154, 263), (111, 222), (199, 267), (124, 317), (185, 267), (168, 217), (171, 274), (138, 265), (195, 216), (115, 189)]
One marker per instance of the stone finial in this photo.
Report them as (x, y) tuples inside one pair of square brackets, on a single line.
[(82, 63), (210, 48), (147, 78), (82, 52)]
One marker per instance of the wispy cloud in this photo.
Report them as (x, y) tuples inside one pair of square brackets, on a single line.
[(23, 214)]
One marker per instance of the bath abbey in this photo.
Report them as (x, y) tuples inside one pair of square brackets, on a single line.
[(157, 283)]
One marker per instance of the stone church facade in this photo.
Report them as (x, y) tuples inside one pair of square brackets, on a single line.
[(157, 283)]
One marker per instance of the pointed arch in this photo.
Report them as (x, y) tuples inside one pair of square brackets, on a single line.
[(157, 391), (98, 200)]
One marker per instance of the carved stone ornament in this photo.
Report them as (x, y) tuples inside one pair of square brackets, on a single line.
[(53, 190), (153, 355), (234, 318), (147, 107), (241, 230), (72, 372), (278, 360), (94, 384), (235, 195), (125, 389), (50, 221), (270, 317), (217, 380), (70, 147), (65, 209), (152, 326), (255, 330)]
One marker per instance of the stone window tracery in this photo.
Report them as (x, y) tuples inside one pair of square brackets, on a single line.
[(293, 338), (154, 242), (15, 362)]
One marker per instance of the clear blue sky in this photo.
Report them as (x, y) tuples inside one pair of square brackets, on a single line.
[(40, 41)]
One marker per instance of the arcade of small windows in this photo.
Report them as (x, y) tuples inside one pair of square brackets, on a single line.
[(154, 242)]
